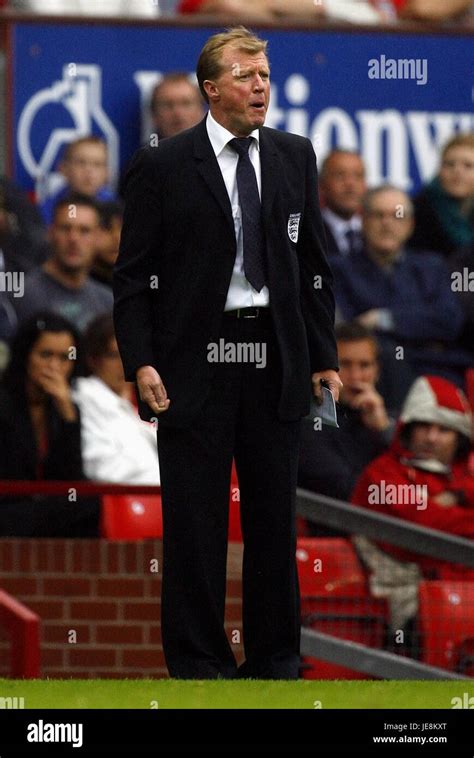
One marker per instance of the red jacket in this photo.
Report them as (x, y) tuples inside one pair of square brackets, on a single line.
[(393, 467)]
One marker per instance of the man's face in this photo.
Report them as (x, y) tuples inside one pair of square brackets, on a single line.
[(73, 239), (86, 169), (433, 441), (343, 185), (176, 106), (457, 172), (239, 97), (358, 367), (387, 224)]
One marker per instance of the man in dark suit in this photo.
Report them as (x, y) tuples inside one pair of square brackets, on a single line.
[(342, 185), (224, 317)]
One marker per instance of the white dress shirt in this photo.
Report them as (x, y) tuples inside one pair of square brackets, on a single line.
[(339, 228), (241, 294), (117, 446)]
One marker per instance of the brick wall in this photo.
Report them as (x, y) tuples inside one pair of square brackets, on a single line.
[(99, 604)]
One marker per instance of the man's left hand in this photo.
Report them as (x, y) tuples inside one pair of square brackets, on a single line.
[(331, 377)]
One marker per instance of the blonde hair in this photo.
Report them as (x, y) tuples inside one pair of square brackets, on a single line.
[(209, 64), (460, 140)]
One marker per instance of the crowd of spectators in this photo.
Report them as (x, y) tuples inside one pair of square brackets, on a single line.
[(264, 11)]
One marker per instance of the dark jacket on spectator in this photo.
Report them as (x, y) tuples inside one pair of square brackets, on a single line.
[(331, 460), (427, 317), (19, 457)]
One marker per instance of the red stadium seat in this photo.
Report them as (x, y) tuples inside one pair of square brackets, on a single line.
[(131, 517), (335, 600), (136, 517), (446, 623)]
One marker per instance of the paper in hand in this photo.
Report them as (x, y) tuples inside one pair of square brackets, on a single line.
[(327, 410)]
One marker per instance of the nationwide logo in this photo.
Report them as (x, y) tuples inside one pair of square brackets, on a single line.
[(80, 93)]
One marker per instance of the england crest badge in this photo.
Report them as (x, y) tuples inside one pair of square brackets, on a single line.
[(294, 226)]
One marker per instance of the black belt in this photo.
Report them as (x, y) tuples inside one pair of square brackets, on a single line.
[(250, 312)]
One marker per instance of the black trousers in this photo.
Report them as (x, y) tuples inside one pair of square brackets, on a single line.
[(239, 419)]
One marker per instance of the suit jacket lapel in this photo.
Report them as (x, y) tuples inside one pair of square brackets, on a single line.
[(208, 167), (271, 173)]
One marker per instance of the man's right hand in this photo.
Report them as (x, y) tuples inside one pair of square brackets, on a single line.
[(152, 390)]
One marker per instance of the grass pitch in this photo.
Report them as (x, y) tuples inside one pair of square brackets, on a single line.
[(168, 693)]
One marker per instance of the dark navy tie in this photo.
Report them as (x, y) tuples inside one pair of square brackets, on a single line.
[(250, 206)]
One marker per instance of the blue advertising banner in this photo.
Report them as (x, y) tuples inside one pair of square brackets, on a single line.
[(394, 98)]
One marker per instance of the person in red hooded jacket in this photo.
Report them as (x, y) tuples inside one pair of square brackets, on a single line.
[(424, 478)]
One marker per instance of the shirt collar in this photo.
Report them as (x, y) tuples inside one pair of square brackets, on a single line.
[(340, 225), (220, 136)]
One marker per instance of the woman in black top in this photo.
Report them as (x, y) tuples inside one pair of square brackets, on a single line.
[(40, 431)]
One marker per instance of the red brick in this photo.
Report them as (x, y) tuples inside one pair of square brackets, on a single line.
[(132, 557), (20, 586), (153, 586), (52, 655), (66, 586), (24, 552), (60, 633), (154, 634), (57, 553), (6, 555), (144, 658), (93, 610), (48, 609), (113, 557), (122, 634), (86, 556), (120, 587), (42, 562), (91, 657), (152, 549), (142, 611)]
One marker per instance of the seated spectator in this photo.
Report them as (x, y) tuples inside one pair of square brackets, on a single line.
[(23, 242), (424, 478), (331, 459), (444, 209), (40, 430), (404, 296), (342, 185), (176, 104), (432, 10), (85, 168), (356, 11), (117, 446), (107, 241), (63, 284)]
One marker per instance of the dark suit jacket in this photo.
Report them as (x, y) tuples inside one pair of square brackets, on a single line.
[(178, 227), (331, 244)]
